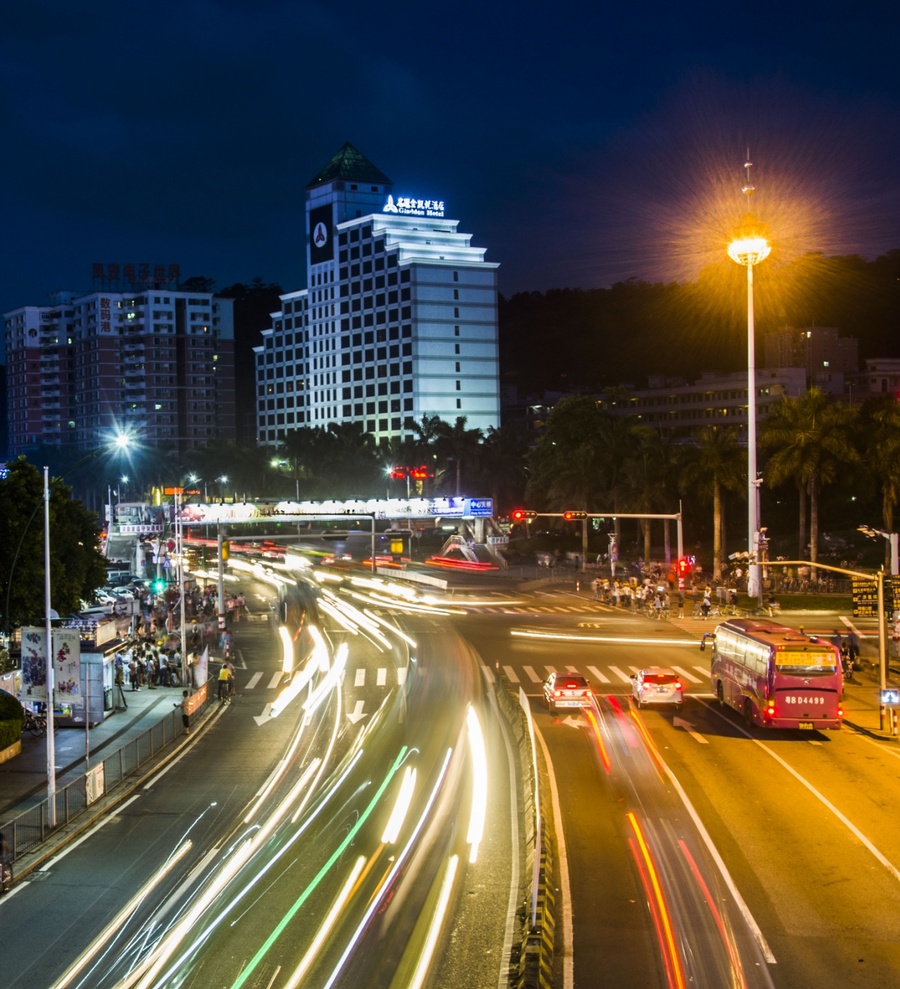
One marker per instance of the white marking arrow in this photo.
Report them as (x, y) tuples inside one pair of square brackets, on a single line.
[(690, 729), (573, 722), (357, 714), (261, 719)]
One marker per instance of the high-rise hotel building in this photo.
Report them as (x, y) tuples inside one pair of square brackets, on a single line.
[(398, 320), (153, 361)]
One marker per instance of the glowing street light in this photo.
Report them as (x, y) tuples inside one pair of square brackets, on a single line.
[(748, 248)]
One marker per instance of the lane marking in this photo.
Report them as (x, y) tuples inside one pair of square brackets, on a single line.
[(253, 681), (511, 674), (360, 679), (275, 680), (532, 676), (624, 677), (685, 675), (597, 675), (381, 676), (401, 675), (89, 833)]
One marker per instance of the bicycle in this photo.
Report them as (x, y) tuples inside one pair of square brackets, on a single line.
[(35, 723)]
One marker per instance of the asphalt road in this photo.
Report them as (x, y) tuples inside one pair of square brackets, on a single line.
[(355, 838), (808, 889)]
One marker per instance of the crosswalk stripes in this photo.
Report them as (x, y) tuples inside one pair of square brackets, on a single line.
[(624, 677), (359, 678), (683, 673), (532, 676), (597, 675)]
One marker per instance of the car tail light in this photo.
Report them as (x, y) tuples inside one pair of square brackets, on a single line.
[(678, 685), (770, 710)]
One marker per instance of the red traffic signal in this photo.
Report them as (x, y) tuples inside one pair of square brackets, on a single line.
[(520, 515), (684, 565), (568, 516)]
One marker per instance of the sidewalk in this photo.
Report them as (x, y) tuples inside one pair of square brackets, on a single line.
[(23, 779)]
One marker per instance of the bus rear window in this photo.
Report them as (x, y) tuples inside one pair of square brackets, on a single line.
[(801, 661)]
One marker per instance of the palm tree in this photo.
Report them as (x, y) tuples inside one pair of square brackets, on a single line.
[(457, 445), (881, 442), (717, 463), (812, 440)]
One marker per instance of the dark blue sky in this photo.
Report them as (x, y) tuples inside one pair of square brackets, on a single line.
[(581, 144)]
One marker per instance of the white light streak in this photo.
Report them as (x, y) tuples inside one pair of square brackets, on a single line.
[(437, 922), (401, 807), (326, 925), (478, 813)]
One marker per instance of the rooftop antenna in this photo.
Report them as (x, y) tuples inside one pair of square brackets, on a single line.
[(748, 188)]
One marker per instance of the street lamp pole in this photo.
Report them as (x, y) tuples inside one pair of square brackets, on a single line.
[(48, 633), (748, 248)]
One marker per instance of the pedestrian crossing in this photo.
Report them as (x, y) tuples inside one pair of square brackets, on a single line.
[(383, 675), (531, 675)]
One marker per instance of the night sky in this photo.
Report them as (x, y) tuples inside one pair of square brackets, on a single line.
[(581, 144)]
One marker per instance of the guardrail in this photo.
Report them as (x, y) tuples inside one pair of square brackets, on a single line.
[(31, 827)]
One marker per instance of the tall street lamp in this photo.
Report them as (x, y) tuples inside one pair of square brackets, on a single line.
[(748, 248)]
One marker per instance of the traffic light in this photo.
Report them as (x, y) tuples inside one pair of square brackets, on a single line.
[(226, 549), (158, 585), (520, 515), (684, 565), (568, 516)]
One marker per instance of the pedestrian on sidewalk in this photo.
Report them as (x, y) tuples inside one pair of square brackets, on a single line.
[(185, 716)]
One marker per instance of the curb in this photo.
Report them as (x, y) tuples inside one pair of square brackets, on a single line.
[(62, 837)]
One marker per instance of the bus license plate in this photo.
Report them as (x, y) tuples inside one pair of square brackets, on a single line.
[(805, 724)]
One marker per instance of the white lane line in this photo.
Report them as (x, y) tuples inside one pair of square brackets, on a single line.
[(511, 674), (253, 681), (275, 680), (571, 669), (749, 919), (597, 675), (401, 675), (851, 827), (624, 677), (381, 676), (532, 676), (703, 671), (360, 679), (568, 958), (101, 824), (683, 673)]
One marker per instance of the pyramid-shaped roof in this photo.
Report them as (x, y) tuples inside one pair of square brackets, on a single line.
[(350, 165)]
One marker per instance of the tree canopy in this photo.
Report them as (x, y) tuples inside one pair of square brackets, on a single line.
[(77, 566)]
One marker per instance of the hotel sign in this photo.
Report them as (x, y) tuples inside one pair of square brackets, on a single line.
[(410, 206)]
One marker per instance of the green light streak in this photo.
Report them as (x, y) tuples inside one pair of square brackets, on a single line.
[(320, 875)]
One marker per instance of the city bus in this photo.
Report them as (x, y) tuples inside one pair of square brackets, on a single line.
[(775, 676)]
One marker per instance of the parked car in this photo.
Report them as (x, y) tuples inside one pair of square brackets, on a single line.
[(657, 685), (563, 689)]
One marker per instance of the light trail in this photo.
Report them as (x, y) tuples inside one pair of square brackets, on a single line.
[(114, 927), (434, 928), (597, 732), (478, 813), (658, 906), (739, 981), (320, 875), (326, 925), (619, 639), (388, 880), (401, 807)]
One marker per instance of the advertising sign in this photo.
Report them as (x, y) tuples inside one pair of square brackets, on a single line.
[(66, 643)]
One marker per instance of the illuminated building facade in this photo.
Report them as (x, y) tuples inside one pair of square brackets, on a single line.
[(156, 362), (398, 319)]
